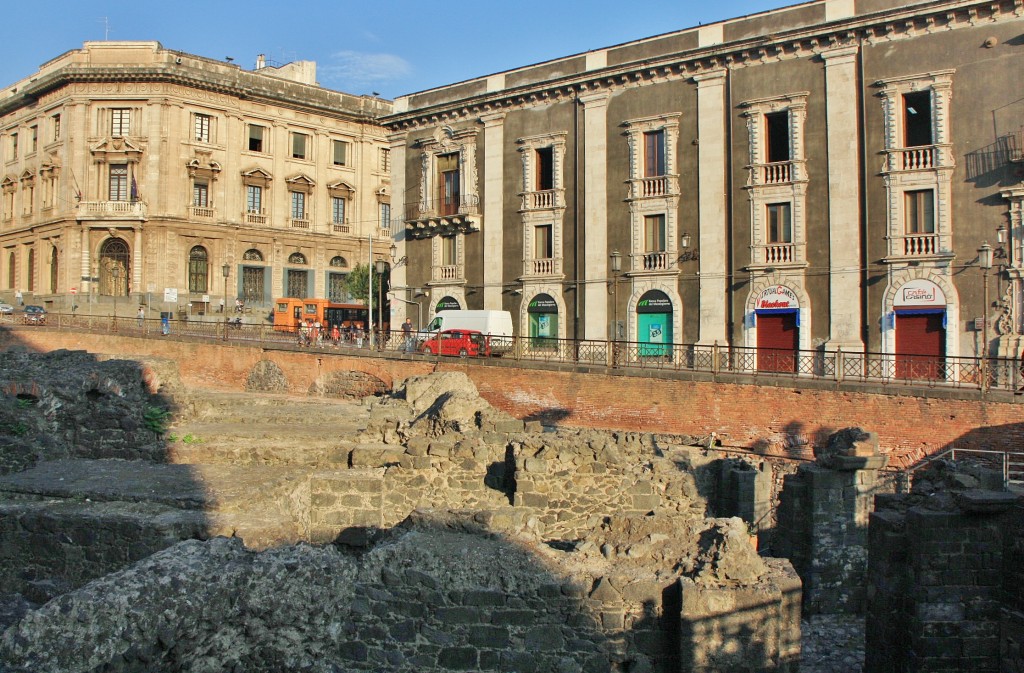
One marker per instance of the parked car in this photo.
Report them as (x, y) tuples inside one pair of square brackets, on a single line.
[(459, 342), (6, 309), (35, 315)]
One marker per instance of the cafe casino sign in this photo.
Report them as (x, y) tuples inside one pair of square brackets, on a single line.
[(920, 293), (777, 298)]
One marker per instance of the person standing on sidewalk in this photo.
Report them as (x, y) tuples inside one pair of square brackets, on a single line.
[(141, 315), (407, 335)]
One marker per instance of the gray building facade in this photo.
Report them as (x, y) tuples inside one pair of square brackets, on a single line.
[(820, 176)]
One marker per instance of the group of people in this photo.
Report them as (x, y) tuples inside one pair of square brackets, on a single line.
[(314, 333)]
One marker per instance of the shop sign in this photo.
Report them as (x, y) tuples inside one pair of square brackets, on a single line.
[(920, 292), (654, 301), (447, 304), (777, 297), (542, 303)]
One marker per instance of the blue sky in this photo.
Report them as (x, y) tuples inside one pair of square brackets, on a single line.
[(387, 46)]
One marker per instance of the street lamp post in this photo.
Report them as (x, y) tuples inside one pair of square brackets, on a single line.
[(115, 273), (226, 270), (985, 262), (381, 267), (616, 259)]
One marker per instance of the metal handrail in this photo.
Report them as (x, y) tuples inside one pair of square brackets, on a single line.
[(885, 369), (1012, 465)]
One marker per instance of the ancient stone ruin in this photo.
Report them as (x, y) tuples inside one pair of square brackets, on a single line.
[(421, 530)]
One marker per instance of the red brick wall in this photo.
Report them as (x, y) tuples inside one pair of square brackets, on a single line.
[(770, 419)]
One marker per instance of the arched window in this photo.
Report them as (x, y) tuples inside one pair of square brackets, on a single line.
[(114, 267), (339, 261), (198, 270), (31, 270), (296, 258), (53, 269), (253, 255)]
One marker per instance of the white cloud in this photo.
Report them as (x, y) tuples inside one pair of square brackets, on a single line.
[(352, 68)]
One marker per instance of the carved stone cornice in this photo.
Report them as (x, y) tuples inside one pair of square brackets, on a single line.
[(826, 40)]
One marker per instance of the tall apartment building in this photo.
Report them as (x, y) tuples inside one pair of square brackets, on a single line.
[(820, 176), (128, 169)]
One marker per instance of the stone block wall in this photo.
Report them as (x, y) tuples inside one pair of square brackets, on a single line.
[(823, 530), (47, 548), (755, 628), (942, 583)]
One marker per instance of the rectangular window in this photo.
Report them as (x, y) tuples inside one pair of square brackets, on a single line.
[(299, 145), (12, 152), (385, 160), (449, 250), (385, 216), (919, 212), (543, 242), (780, 223), (654, 233), (545, 168), (298, 205), (340, 149), (917, 119), (202, 128), (777, 147), (201, 195), (55, 123), (33, 139), (254, 199), (120, 121), (118, 187), (255, 138), (654, 153), (30, 197), (448, 183), (337, 210)]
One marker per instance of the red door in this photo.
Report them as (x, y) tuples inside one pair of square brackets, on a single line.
[(777, 342), (920, 346)]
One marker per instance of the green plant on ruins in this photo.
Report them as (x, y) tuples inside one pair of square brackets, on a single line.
[(156, 419)]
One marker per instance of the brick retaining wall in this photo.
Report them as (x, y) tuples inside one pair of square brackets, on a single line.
[(766, 418)]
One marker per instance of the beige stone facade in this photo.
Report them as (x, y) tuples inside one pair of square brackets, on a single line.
[(134, 171), (819, 176)]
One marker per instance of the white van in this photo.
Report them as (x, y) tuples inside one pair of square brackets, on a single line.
[(495, 324)]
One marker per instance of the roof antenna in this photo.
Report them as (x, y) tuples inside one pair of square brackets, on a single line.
[(106, 28), (229, 59)]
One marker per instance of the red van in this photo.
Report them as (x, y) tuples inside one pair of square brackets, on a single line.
[(461, 342)]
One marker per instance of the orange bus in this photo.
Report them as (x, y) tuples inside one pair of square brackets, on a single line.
[(289, 312)]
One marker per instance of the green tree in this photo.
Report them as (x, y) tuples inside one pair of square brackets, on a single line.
[(358, 283)]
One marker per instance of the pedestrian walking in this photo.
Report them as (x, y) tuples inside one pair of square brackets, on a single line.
[(407, 335), (141, 315), (20, 297)]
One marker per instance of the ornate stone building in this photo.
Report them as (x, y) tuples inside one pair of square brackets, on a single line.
[(130, 170), (820, 176)]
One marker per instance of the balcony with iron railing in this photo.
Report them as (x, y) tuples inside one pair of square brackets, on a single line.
[(442, 215), (922, 158), (465, 204), (448, 272), (545, 199), (548, 266), (655, 186), (1015, 145), (201, 212), (255, 217), (111, 210), (654, 260), (779, 253), (919, 245)]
